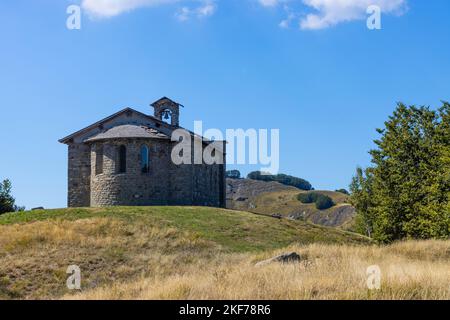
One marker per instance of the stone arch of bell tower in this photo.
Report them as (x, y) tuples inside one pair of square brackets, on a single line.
[(165, 108)]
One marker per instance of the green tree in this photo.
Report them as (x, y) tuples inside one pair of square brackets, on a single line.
[(405, 194), (361, 199), (281, 178), (7, 202)]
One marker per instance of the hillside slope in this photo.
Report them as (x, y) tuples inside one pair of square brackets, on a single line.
[(125, 243), (274, 198)]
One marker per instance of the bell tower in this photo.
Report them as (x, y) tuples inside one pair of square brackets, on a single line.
[(167, 110)]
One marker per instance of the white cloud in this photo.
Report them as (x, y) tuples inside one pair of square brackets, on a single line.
[(208, 8), (284, 23), (328, 13), (183, 14), (291, 16), (111, 8), (269, 3), (325, 13), (332, 12)]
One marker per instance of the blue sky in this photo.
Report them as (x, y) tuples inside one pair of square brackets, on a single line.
[(233, 63)]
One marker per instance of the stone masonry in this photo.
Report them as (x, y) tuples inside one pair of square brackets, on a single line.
[(94, 178)]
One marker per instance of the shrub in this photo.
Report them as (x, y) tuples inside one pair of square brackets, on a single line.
[(281, 178), (344, 191), (324, 202), (233, 174), (309, 197)]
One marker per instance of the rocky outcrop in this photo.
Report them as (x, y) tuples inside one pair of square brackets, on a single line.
[(292, 257), (338, 215), (280, 201), (333, 217), (240, 192)]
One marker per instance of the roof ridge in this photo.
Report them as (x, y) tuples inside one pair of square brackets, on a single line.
[(100, 122)]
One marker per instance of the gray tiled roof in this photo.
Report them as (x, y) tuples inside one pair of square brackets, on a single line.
[(128, 131)]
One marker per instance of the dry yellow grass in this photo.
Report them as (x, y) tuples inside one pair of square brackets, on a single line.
[(205, 253), (34, 257), (409, 270)]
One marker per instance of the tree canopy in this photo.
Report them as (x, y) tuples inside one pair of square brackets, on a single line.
[(281, 178), (233, 174), (7, 201), (406, 191), (321, 201)]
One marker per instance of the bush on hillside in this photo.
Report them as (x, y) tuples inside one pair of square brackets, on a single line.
[(309, 197), (324, 202), (233, 174), (281, 178), (344, 191)]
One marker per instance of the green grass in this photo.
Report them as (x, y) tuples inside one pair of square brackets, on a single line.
[(235, 231)]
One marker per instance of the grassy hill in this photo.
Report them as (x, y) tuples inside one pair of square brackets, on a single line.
[(126, 242), (273, 198), (204, 253)]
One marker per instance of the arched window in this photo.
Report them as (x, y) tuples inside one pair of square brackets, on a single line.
[(99, 159), (145, 159), (122, 159)]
